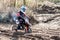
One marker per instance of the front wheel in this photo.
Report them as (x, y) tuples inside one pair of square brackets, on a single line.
[(28, 30)]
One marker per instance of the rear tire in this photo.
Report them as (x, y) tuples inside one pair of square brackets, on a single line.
[(14, 28)]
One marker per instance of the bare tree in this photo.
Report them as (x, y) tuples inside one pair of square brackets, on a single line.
[(24, 2)]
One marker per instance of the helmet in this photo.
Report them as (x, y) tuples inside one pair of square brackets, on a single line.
[(23, 8)]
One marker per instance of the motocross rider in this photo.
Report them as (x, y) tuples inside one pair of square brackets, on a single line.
[(20, 15)]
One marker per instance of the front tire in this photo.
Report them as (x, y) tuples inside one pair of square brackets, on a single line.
[(28, 30)]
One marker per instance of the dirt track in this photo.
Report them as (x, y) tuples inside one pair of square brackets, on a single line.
[(41, 31), (37, 34)]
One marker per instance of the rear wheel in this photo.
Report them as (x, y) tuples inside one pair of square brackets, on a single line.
[(14, 28)]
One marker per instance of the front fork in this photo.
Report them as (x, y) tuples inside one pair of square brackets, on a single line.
[(26, 28)]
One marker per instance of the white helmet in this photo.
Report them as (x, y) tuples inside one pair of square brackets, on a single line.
[(23, 8)]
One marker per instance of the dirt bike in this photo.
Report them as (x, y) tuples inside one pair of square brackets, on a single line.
[(23, 25)]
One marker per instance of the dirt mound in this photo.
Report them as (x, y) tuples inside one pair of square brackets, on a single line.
[(47, 7)]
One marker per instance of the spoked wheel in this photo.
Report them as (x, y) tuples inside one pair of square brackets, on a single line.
[(28, 30), (14, 28)]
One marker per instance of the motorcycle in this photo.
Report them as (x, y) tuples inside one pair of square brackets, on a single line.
[(23, 25)]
